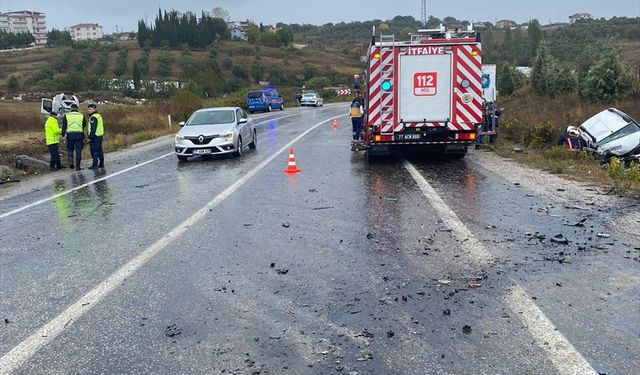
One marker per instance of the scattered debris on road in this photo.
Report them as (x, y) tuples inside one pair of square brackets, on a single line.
[(578, 224), (172, 330), (561, 239)]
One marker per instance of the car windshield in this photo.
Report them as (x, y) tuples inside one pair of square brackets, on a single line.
[(309, 96), (212, 117), (254, 95), (271, 93), (631, 128)]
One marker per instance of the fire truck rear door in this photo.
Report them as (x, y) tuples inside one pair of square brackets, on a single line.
[(425, 88)]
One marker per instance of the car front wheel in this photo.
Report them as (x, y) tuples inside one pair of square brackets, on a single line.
[(254, 142), (183, 158), (238, 148)]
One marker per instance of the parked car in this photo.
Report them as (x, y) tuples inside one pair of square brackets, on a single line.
[(212, 131), (611, 133), (311, 99), (264, 100)]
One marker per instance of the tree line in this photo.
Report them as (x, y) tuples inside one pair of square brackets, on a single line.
[(583, 57), (15, 40), (174, 29)]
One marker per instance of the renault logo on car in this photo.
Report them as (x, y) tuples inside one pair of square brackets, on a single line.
[(201, 138)]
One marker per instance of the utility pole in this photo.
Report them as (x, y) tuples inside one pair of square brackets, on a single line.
[(423, 13)]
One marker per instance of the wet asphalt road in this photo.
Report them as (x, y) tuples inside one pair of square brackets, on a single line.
[(344, 268)]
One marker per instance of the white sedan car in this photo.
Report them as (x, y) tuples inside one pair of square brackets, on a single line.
[(213, 131), (311, 99)]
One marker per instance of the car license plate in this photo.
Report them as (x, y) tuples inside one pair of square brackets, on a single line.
[(408, 137), (202, 151)]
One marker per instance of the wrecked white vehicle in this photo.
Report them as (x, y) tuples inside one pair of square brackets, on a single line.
[(611, 133)]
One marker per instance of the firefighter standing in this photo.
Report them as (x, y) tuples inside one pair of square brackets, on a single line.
[(52, 134), (356, 113), (73, 125), (96, 132)]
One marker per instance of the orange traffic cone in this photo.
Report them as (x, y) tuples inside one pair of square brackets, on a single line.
[(292, 168), (334, 124)]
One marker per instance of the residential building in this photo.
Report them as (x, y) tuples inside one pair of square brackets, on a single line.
[(505, 24), (479, 25), (4, 23), (242, 25), (25, 21), (124, 36), (579, 16), (238, 33), (86, 31)]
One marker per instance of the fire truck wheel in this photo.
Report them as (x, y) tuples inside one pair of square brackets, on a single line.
[(371, 159), (460, 155)]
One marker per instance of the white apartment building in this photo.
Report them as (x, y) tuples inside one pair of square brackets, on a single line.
[(84, 31), (25, 21)]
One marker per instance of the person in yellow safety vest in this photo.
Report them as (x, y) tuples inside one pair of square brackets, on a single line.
[(356, 113), (96, 132), (52, 134), (73, 125)]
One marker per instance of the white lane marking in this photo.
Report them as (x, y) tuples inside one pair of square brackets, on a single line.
[(44, 200), (45, 334), (563, 355), (2, 216)]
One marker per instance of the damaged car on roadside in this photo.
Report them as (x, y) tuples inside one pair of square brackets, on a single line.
[(612, 133)]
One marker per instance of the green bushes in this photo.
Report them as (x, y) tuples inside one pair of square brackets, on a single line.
[(608, 80), (625, 178), (317, 83), (549, 77), (183, 103), (540, 135), (101, 63), (164, 63), (121, 62), (509, 79)]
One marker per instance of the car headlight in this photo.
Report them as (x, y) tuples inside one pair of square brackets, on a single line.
[(227, 136), (179, 138)]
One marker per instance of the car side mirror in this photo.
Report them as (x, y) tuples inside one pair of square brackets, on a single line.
[(181, 123), (242, 121)]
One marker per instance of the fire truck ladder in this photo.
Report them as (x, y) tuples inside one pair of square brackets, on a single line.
[(387, 43)]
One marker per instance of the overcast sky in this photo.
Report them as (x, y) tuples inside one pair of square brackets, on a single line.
[(125, 13)]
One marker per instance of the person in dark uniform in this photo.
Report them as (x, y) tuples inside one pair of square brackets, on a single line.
[(73, 125), (96, 133)]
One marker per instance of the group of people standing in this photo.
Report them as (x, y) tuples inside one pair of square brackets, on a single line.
[(74, 131)]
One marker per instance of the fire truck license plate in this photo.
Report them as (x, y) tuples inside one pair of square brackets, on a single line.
[(408, 137), (425, 84)]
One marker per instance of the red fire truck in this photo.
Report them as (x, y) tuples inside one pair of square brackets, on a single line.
[(424, 92)]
